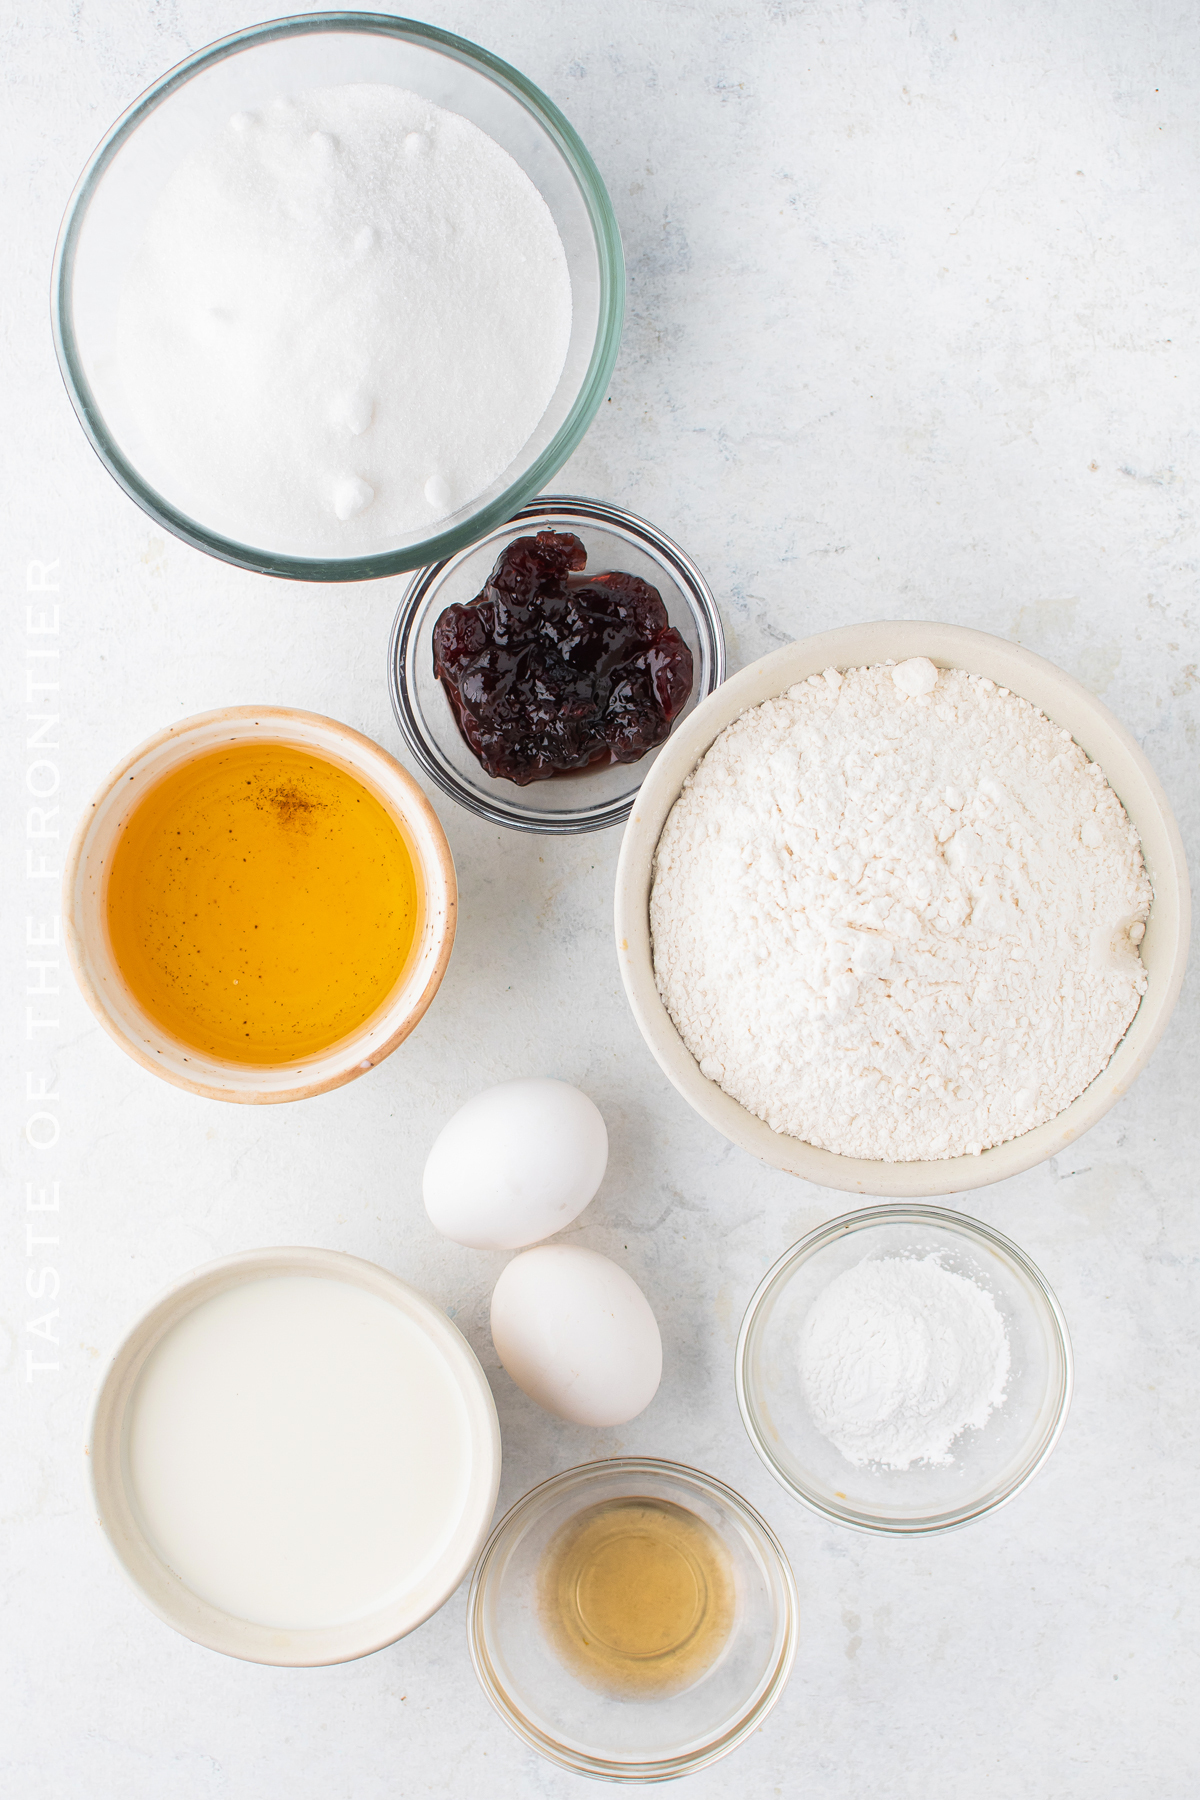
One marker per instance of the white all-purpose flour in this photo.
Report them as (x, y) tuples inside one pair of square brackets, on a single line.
[(895, 913)]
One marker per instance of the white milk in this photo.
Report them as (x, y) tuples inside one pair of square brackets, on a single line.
[(298, 1451)]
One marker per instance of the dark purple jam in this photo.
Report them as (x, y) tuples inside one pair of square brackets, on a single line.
[(547, 675)]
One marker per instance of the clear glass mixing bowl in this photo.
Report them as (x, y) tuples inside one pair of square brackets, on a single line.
[(988, 1466), (120, 186), (648, 1739)]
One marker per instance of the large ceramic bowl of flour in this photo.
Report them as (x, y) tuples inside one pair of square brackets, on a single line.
[(337, 295), (888, 1155)]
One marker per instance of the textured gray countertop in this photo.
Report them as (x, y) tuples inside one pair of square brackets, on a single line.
[(911, 334)]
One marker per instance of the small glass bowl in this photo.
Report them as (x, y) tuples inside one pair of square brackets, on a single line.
[(107, 214), (594, 798), (592, 1733), (988, 1465)]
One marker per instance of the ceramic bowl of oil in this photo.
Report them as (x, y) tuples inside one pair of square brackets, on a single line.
[(632, 1620), (259, 904)]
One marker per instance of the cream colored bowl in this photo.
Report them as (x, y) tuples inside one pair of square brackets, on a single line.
[(86, 913), (1164, 947), (158, 1585)]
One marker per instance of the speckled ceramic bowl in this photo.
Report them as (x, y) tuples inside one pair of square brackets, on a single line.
[(160, 1588), (1067, 703), (86, 914)]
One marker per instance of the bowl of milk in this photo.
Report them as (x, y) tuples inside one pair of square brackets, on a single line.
[(337, 295), (294, 1456)]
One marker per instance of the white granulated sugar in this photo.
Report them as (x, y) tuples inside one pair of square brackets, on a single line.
[(895, 913), (899, 1356), (347, 316)]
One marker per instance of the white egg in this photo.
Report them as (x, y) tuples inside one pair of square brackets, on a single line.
[(576, 1333), (515, 1164)]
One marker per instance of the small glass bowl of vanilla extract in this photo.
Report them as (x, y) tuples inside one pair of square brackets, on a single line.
[(632, 1619)]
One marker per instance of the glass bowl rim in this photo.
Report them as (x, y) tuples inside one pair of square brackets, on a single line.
[(424, 581), (609, 255), (865, 1218), (602, 1768)]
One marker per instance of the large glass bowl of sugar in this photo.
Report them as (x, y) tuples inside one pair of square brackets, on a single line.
[(108, 215)]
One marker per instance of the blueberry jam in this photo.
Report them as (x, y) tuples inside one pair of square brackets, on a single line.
[(547, 675)]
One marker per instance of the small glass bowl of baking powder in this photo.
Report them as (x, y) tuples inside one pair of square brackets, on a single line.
[(985, 1464)]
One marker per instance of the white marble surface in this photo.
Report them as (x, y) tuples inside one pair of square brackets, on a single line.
[(912, 333)]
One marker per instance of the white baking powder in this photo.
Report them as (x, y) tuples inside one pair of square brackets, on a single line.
[(895, 913), (347, 316), (898, 1357)]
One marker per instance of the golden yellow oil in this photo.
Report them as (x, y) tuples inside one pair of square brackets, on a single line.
[(637, 1597), (261, 902)]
